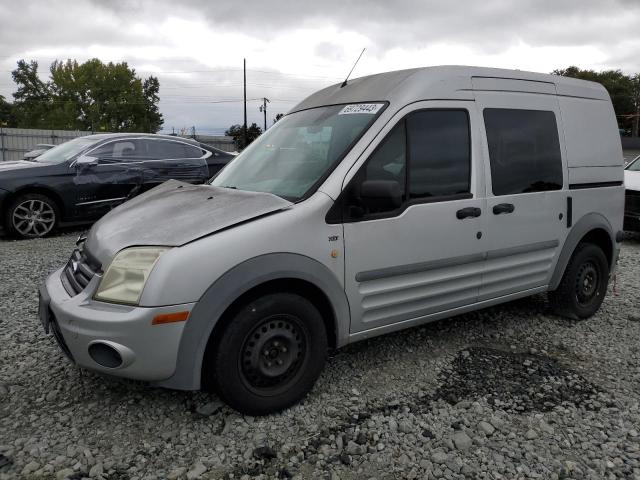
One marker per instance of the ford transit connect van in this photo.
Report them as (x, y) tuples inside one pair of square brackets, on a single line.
[(394, 200)]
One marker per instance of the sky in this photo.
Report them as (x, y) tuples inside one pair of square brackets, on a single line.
[(293, 48)]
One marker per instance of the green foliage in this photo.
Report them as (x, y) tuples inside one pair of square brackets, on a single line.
[(278, 117), (237, 132), (7, 119), (624, 91), (87, 96), (32, 100)]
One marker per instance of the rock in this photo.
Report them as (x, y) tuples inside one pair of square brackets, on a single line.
[(30, 468), (96, 471), (196, 471), (209, 408), (531, 434), (546, 428), (345, 459), (354, 449), (439, 457), (634, 317), (497, 422), (4, 390), (486, 427), (265, 452), (361, 439), (428, 434), (405, 426), (64, 473), (462, 441), (176, 473), (393, 425)]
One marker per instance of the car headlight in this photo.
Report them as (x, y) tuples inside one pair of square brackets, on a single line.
[(126, 276)]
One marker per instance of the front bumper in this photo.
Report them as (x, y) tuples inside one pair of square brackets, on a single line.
[(148, 352)]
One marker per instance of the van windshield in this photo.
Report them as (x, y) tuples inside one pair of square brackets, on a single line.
[(291, 157)]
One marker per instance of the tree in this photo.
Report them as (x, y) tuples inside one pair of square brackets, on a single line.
[(33, 99), (623, 90), (237, 132), (278, 117), (87, 96), (7, 119)]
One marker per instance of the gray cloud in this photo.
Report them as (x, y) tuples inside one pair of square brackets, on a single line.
[(126, 28)]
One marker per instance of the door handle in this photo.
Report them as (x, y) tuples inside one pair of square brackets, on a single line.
[(468, 212), (503, 208)]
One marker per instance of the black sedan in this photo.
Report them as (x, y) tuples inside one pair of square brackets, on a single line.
[(79, 181)]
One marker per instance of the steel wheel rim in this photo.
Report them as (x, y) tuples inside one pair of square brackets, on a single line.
[(33, 218), (272, 354), (587, 282)]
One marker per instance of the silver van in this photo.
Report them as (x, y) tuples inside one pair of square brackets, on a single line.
[(391, 201)]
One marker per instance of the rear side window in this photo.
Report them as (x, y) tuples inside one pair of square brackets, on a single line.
[(440, 153), (524, 150), (167, 149)]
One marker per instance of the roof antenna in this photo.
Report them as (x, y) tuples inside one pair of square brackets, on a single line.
[(354, 66)]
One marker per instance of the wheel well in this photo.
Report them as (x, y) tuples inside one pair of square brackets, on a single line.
[(602, 239), (290, 285), (41, 190)]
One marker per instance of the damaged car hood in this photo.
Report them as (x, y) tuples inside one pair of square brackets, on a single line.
[(176, 213)]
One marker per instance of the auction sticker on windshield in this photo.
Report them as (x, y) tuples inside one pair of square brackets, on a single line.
[(370, 108)]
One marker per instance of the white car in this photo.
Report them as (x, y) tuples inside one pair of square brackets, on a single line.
[(632, 196)]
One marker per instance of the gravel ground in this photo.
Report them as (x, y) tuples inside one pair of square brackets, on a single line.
[(505, 393)]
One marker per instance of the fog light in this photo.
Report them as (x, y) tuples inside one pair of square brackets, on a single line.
[(105, 355)]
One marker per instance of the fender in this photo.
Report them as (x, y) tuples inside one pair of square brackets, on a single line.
[(588, 222), (231, 285)]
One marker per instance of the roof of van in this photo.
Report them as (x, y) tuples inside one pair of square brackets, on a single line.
[(448, 82)]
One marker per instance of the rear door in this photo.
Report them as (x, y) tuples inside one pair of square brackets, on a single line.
[(525, 171), (425, 254)]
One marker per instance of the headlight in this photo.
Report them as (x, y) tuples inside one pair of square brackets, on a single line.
[(126, 276)]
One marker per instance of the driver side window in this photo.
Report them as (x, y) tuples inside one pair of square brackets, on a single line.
[(386, 168), (425, 158)]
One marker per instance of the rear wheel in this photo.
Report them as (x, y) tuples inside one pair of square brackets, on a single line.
[(270, 354), (31, 215), (584, 283)]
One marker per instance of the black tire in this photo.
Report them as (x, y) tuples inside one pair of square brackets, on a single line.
[(31, 215), (270, 354), (583, 285)]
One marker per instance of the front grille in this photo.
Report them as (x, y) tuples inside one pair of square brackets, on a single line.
[(632, 202), (79, 271)]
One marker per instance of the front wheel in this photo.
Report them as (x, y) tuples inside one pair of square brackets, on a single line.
[(270, 354), (584, 283), (32, 215)]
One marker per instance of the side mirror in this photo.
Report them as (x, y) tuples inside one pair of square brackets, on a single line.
[(381, 195), (85, 161)]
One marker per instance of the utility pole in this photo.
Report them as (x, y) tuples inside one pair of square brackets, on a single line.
[(263, 109), (244, 129)]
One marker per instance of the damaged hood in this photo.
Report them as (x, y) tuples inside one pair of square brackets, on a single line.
[(176, 213)]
